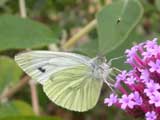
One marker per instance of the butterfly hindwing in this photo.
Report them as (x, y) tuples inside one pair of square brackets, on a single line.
[(74, 88), (41, 64)]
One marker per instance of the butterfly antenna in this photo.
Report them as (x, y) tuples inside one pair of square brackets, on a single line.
[(113, 59), (116, 70)]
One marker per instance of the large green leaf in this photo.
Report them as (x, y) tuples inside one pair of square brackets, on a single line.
[(30, 118), (116, 21), (9, 73), (16, 32), (15, 108)]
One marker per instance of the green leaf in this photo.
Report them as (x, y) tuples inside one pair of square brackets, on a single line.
[(22, 33), (15, 108), (9, 73), (30, 118), (157, 2), (116, 21), (90, 48)]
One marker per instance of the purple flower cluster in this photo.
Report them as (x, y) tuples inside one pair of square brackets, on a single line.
[(139, 88)]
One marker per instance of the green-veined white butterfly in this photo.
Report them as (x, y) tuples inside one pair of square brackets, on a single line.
[(70, 80)]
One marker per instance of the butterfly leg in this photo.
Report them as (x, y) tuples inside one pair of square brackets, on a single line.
[(108, 80), (109, 84)]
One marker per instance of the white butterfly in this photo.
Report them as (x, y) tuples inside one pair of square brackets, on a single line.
[(70, 80)]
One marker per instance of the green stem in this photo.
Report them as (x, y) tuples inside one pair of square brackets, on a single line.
[(80, 34)]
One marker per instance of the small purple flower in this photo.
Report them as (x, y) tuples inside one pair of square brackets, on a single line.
[(111, 100), (130, 80), (155, 99), (151, 44), (131, 52), (151, 88), (122, 75), (155, 50), (147, 54), (151, 115), (127, 101), (137, 98), (155, 67), (130, 60)]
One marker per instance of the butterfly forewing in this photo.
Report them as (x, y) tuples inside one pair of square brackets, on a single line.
[(74, 88), (41, 64)]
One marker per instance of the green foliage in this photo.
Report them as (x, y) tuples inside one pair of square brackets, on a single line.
[(2, 2), (114, 25), (9, 73), (15, 108), (61, 3), (157, 2), (89, 49), (30, 118), (42, 96), (21, 33), (120, 115)]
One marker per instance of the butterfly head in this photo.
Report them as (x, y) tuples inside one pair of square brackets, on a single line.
[(100, 67), (98, 60)]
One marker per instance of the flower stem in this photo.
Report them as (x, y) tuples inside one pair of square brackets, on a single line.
[(90, 26), (22, 8), (15, 89), (34, 97)]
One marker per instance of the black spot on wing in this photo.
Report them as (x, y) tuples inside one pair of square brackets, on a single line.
[(42, 69)]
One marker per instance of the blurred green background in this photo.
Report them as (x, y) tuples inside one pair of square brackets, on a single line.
[(49, 25)]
